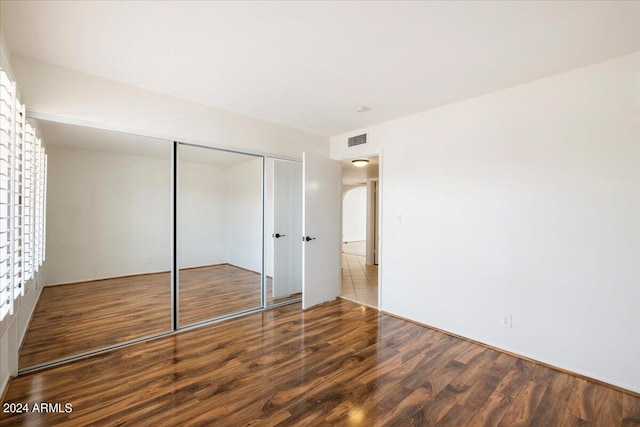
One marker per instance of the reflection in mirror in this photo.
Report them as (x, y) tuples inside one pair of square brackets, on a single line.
[(219, 227), (108, 242), (283, 231)]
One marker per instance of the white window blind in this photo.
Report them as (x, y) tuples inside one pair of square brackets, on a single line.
[(23, 165), (7, 116), (17, 237), (37, 226), (17, 210), (28, 205), (43, 211)]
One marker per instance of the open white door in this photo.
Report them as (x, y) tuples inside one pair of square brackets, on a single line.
[(287, 208), (321, 230)]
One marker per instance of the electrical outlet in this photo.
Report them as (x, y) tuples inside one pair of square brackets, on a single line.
[(148, 260), (505, 320)]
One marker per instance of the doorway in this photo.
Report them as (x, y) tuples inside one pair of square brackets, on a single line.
[(360, 240)]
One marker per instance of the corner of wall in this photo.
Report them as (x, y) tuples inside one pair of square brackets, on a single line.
[(4, 57)]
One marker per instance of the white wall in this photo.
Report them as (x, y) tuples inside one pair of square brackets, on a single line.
[(63, 93), (244, 214), (108, 215), (354, 215), (524, 201)]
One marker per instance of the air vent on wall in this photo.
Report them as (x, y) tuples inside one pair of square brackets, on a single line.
[(357, 140)]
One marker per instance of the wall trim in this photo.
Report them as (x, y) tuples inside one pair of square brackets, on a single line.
[(144, 274), (519, 356), (100, 279)]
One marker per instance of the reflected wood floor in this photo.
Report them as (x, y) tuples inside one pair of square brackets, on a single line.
[(336, 364), (75, 318), (214, 291)]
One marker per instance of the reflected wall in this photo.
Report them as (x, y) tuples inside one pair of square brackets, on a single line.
[(219, 233), (108, 251)]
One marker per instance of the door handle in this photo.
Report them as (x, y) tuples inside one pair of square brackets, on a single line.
[(306, 239), (278, 235)]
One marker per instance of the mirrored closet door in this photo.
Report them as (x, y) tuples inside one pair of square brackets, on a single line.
[(108, 243), (114, 275), (283, 231), (219, 233)]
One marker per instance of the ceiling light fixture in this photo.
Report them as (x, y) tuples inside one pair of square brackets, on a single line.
[(359, 163), (362, 109)]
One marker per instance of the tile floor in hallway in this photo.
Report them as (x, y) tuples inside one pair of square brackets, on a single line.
[(359, 281)]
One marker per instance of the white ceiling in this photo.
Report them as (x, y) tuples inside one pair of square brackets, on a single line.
[(307, 65)]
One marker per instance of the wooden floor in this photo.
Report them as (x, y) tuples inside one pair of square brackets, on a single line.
[(71, 319), (337, 364)]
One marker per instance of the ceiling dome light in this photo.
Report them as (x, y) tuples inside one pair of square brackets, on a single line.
[(362, 109), (359, 163)]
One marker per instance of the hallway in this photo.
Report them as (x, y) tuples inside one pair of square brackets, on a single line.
[(359, 281)]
